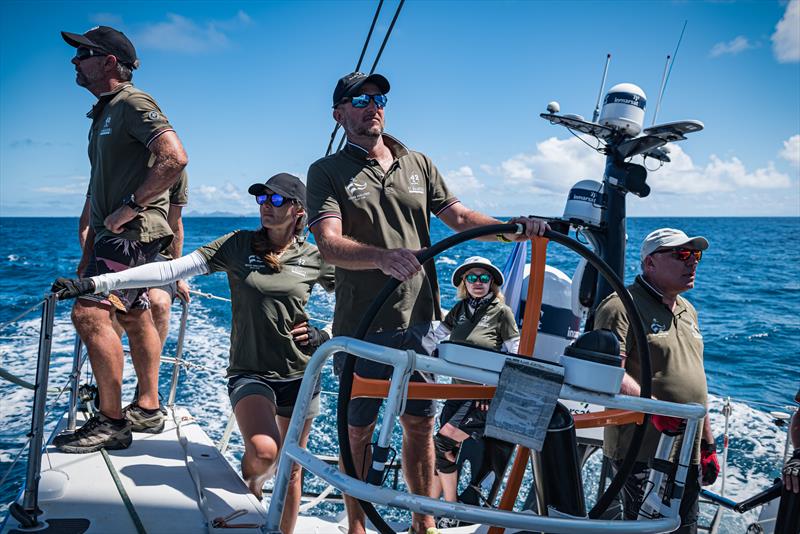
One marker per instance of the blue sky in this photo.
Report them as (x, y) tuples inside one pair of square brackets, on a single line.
[(247, 86)]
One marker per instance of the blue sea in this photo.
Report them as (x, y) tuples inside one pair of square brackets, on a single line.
[(747, 295)]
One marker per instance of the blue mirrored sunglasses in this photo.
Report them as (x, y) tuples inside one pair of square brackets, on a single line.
[(275, 199), (362, 101), (472, 278)]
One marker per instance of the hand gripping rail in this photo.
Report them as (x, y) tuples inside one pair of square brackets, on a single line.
[(292, 453)]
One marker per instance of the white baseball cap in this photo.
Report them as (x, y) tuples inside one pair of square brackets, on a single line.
[(670, 237)]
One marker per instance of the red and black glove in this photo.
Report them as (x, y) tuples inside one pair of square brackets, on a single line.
[(709, 465), (671, 426)]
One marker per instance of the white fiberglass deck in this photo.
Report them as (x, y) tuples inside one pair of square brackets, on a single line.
[(154, 473)]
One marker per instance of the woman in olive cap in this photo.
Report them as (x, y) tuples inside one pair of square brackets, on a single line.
[(271, 272)]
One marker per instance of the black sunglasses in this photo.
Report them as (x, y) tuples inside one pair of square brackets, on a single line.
[(276, 199), (83, 52)]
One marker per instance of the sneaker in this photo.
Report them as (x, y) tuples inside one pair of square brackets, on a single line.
[(99, 432), (141, 421)]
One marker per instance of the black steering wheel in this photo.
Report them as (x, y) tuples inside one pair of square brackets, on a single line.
[(346, 378)]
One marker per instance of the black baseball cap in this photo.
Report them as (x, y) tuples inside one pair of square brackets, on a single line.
[(285, 184), (350, 85), (105, 39)]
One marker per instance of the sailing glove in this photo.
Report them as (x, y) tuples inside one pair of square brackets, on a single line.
[(709, 465), (70, 288), (316, 337), (671, 426), (791, 472)]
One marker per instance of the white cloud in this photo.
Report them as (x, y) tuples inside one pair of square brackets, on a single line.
[(181, 34), (75, 185), (462, 181), (733, 47), (786, 39), (555, 166), (227, 192), (791, 150)]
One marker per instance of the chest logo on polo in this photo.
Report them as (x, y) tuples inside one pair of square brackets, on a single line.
[(414, 186), (355, 190), (484, 322), (254, 263), (656, 327), (106, 130)]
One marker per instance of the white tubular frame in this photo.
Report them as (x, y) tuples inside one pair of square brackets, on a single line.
[(292, 453)]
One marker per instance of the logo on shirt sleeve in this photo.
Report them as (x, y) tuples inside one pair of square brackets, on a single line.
[(153, 115)]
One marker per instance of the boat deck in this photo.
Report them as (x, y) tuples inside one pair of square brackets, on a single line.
[(78, 494)]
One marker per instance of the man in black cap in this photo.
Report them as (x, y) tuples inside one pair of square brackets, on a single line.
[(135, 158), (369, 209)]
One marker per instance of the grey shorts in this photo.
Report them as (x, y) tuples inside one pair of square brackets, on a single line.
[(282, 393), (170, 289), (364, 412)]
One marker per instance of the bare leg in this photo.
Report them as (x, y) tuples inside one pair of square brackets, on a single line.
[(92, 320), (418, 462), (360, 437), (145, 352), (449, 481), (160, 307), (255, 415), (295, 491)]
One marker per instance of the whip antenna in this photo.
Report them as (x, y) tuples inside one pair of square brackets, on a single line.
[(668, 71), (596, 113)]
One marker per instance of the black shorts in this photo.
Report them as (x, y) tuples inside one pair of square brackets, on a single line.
[(465, 415), (170, 289), (364, 412), (282, 393), (113, 255)]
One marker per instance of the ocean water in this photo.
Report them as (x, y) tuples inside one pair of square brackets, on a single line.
[(747, 296)]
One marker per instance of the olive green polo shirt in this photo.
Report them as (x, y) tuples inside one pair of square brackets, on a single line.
[(124, 123), (179, 192), (387, 210), (487, 329), (676, 358), (266, 305)]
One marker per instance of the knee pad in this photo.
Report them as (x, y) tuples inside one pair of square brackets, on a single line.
[(444, 445)]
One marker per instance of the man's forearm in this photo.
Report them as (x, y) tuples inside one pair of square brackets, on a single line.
[(170, 160), (349, 254), (460, 218), (708, 434), (175, 249)]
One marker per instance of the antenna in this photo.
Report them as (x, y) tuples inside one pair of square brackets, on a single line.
[(661, 90), (669, 71), (596, 113)]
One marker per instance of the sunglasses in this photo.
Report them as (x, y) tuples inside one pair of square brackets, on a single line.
[(682, 254), (85, 53), (472, 278), (362, 101), (275, 199)]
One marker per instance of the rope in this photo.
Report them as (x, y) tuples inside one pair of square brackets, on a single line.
[(137, 521), (21, 315)]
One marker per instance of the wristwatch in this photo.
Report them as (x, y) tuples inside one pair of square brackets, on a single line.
[(131, 203)]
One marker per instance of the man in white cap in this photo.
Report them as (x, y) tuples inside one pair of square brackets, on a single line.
[(669, 265)]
